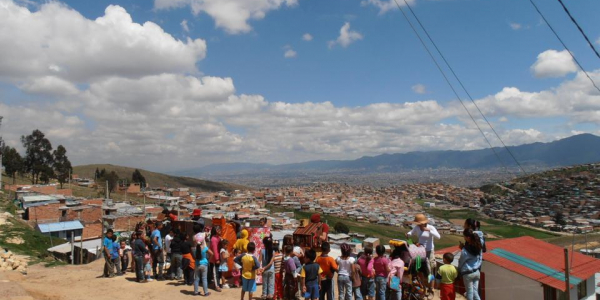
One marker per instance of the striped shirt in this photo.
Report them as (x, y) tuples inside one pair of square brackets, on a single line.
[(277, 261)]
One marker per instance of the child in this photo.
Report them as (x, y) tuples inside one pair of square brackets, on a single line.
[(236, 272), (366, 267), (124, 254), (148, 264), (277, 261), (289, 269), (223, 267), (201, 270), (345, 264), (396, 273), (114, 254), (310, 276), (447, 274), (382, 269), (268, 268), (249, 265), (329, 266)]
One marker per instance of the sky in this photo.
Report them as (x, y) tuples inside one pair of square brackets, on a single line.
[(167, 85)]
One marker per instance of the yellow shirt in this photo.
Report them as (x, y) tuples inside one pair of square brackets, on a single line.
[(249, 266), (448, 273)]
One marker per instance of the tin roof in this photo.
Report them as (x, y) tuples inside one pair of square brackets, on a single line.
[(60, 226)]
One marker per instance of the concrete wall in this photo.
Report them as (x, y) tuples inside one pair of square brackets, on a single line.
[(502, 284)]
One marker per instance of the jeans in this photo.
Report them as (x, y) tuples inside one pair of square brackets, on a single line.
[(201, 271), (472, 285), (326, 289), (268, 278), (175, 269), (124, 262), (381, 286), (139, 267), (368, 287), (344, 287), (109, 268), (357, 294), (117, 263), (158, 258)]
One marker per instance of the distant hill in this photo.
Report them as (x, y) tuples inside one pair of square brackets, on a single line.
[(158, 179), (578, 149)]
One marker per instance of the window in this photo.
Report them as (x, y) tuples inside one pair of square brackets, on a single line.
[(582, 289)]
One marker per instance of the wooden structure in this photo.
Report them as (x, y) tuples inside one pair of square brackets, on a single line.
[(307, 235)]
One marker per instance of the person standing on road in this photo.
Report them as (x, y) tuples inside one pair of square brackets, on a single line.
[(107, 246), (425, 233), (469, 263), (158, 257), (139, 250)]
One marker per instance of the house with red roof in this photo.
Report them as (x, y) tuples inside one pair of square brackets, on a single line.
[(528, 268)]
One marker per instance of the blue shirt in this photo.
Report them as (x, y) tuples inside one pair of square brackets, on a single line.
[(202, 260), (469, 262), (114, 252), (108, 243), (156, 234)]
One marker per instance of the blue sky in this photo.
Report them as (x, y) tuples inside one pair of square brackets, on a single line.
[(492, 45)]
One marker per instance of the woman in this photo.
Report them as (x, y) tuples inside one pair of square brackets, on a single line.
[(366, 267), (201, 270), (475, 226), (469, 263), (215, 259), (382, 269), (268, 268), (396, 270)]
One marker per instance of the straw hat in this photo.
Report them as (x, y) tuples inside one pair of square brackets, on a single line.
[(420, 219)]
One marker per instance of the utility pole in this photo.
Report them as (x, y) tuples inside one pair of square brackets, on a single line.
[(72, 247), (568, 286), (144, 204)]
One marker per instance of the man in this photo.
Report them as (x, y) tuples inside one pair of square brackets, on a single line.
[(316, 218), (139, 250), (107, 246), (168, 239), (158, 257), (425, 233)]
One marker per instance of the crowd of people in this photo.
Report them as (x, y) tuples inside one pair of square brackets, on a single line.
[(292, 272)]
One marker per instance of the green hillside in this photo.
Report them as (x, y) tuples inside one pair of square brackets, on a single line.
[(158, 179)]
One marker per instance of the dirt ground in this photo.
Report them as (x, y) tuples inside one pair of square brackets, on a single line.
[(85, 282)]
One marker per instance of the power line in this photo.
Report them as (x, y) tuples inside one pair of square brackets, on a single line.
[(564, 45), (580, 29), (464, 88), (451, 86)]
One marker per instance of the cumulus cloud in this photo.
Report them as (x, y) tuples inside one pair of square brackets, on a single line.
[(385, 5), (419, 89), (307, 37), (58, 41), (171, 118), (289, 52), (515, 26), (230, 15), (346, 37), (184, 25), (552, 63)]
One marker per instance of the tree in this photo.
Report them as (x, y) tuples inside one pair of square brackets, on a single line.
[(559, 219), (38, 155), (137, 177), (340, 227), (112, 178), (12, 162), (97, 175), (62, 165), (46, 173)]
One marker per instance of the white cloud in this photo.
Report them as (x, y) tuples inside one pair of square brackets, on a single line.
[(307, 37), (290, 53), (184, 25), (419, 89), (515, 26), (346, 37), (58, 41), (170, 118), (552, 63), (231, 15), (385, 5)]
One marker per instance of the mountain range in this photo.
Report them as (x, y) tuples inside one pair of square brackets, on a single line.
[(577, 149)]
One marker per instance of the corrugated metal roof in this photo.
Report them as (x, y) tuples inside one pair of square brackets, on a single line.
[(60, 226), (38, 198)]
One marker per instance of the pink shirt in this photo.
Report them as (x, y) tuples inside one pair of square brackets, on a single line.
[(366, 268), (380, 265), (214, 247), (396, 268)]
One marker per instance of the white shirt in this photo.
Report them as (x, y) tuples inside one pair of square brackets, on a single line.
[(425, 237), (345, 266), (168, 240)]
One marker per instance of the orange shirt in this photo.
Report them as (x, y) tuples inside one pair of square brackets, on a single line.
[(328, 265)]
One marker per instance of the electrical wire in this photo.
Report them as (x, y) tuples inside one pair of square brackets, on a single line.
[(451, 86), (564, 45), (464, 88), (580, 29)]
